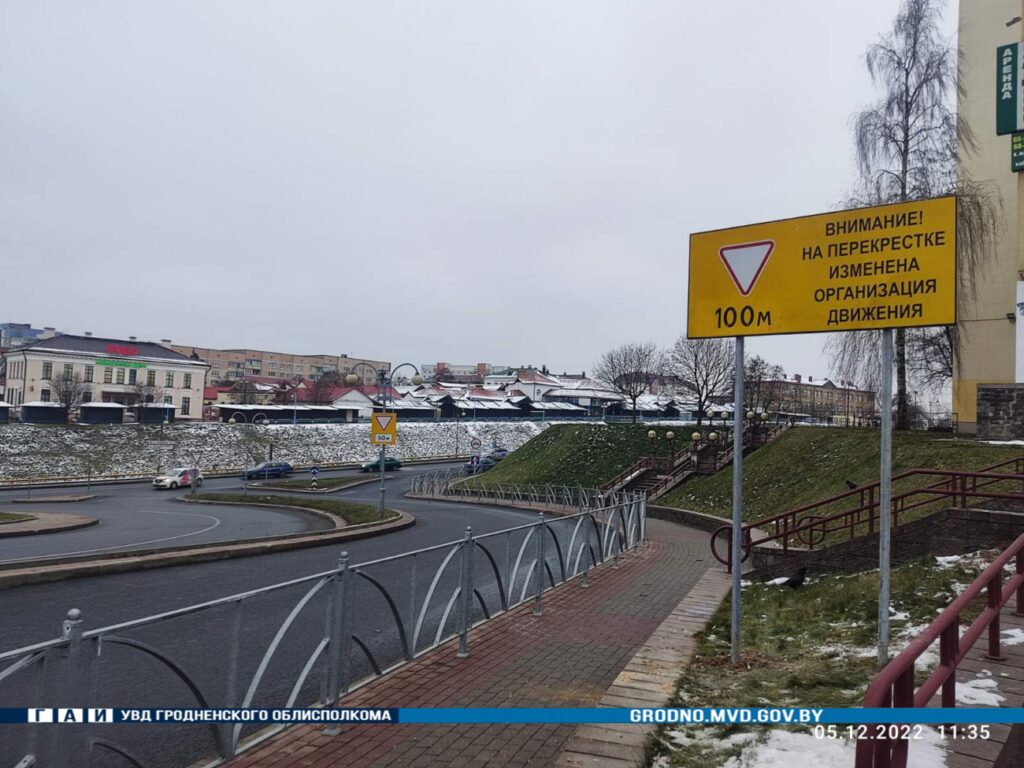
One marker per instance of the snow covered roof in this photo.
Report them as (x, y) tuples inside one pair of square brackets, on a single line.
[(594, 394), (408, 404), (485, 405), (536, 377), (96, 404), (556, 407), (285, 408), (5, 405), (41, 404)]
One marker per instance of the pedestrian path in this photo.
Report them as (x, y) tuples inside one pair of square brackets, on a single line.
[(567, 657), (980, 682)]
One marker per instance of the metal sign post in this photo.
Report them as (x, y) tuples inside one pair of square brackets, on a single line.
[(885, 499), (737, 498), (882, 267)]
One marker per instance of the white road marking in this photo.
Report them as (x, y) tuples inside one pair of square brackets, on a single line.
[(216, 522)]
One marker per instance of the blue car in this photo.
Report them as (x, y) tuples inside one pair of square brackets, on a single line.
[(268, 469)]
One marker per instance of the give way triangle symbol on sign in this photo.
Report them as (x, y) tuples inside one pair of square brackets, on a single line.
[(745, 262), (383, 421)]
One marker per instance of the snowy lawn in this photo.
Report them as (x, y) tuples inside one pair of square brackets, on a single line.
[(35, 451), (812, 647)]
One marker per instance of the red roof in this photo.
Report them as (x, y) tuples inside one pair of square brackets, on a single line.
[(536, 377), (210, 393)]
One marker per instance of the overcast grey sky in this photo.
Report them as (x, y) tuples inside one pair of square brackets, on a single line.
[(508, 182)]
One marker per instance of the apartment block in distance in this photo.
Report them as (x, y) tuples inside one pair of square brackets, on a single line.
[(228, 364)]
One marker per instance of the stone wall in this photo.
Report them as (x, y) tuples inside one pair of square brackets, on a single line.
[(949, 532), (1000, 411)]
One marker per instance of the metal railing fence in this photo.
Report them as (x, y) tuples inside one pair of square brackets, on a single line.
[(896, 686), (302, 642)]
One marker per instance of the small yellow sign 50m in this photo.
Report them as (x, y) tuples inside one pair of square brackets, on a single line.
[(881, 267)]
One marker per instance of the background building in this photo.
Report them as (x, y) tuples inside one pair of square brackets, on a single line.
[(841, 402), (475, 373), (992, 350), (226, 364), (110, 370), (13, 335)]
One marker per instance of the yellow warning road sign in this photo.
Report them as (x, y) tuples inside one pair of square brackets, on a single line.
[(384, 429), (882, 267)]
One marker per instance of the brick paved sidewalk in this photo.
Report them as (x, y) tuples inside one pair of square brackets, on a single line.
[(568, 657)]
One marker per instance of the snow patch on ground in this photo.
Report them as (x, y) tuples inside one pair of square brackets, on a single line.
[(785, 749), (980, 692), (1013, 636)]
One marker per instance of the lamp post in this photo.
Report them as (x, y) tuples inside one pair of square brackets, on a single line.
[(652, 436), (671, 436), (383, 388)]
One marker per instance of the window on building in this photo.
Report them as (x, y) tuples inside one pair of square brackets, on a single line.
[(108, 375), (188, 381), (168, 400), (120, 375), (88, 374), (47, 371), (169, 379), (150, 378), (186, 403), (133, 375), (69, 370), (86, 395), (44, 395)]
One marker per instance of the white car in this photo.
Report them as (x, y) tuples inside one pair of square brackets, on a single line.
[(173, 478)]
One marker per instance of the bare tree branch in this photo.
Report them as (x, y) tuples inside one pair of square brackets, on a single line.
[(706, 367), (631, 369)]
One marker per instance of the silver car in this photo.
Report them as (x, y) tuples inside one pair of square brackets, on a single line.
[(173, 478)]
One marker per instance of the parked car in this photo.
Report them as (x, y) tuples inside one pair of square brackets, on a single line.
[(268, 469), (373, 465), (498, 454), (476, 467), (174, 478)]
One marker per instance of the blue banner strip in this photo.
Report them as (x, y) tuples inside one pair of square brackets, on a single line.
[(459, 715)]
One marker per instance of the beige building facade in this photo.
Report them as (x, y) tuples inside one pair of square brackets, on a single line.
[(228, 364), (111, 371), (990, 352)]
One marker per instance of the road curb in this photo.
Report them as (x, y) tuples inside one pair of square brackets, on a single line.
[(80, 522), (135, 561), (321, 491), (648, 680), (53, 499)]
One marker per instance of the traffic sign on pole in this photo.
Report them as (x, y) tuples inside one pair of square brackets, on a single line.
[(384, 429), (882, 267)]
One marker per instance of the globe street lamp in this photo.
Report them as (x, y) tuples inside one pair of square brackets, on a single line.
[(671, 436), (384, 380)]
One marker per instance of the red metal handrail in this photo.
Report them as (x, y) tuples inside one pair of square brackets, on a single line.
[(811, 530), (894, 685)]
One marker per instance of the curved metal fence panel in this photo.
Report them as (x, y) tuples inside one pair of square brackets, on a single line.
[(303, 642)]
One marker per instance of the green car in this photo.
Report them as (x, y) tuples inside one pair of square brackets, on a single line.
[(390, 463)]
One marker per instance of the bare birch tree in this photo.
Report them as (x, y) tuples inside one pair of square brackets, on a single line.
[(69, 390), (907, 146), (706, 366), (631, 369)]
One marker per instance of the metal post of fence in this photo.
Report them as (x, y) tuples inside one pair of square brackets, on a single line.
[(995, 594), (1020, 589), (538, 576), (71, 630), (338, 645), (949, 650), (231, 693), (466, 593)]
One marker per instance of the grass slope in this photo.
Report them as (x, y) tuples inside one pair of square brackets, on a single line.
[(351, 513), (807, 464), (573, 454), (811, 647)]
